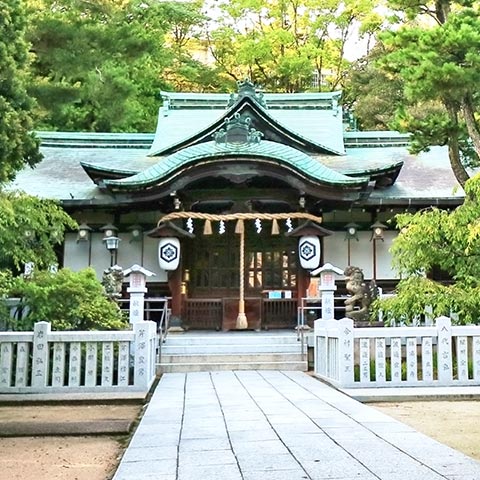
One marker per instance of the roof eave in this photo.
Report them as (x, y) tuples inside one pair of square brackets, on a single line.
[(98, 173)]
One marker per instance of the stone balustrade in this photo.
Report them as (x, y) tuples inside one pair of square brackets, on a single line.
[(46, 362), (436, 355)]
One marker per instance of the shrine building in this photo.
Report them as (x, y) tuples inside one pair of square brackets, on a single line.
[(237, 198)]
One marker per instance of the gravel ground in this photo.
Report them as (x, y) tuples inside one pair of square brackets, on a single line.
[(80, 457), (454, 423)]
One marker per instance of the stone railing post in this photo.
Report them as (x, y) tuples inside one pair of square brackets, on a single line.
[(40, 356), (346, 352), (144, 349), (444, 352), (319, 342)]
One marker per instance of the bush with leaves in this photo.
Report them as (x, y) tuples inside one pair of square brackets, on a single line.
[(418, 296), (449, 241), (68, 300), (6, 287)]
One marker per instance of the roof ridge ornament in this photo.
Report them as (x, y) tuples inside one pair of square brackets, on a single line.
[(246, 88), (237, 132)]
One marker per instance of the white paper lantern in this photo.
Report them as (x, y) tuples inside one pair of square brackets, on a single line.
[(309, 251), (169, 253)]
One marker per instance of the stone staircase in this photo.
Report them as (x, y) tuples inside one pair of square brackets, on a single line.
[(245, 350)]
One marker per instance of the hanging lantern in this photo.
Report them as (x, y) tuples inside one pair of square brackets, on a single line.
[(169, 244), (309, 251), (169, 253)]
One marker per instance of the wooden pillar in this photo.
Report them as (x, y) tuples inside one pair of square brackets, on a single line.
[(303, 281), (175, 285)]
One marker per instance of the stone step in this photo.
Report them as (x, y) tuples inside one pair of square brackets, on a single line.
[(168, 349), (210, 367), (244, 350), (222, 358), (230, 338)]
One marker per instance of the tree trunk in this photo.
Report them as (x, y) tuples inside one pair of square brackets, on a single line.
[(472, 127), (442, 10), (453, 146), (455, 161)]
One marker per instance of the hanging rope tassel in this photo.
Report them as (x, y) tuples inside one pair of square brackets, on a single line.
[(242, 322), (207, 228), (239, 227), (275, 229)]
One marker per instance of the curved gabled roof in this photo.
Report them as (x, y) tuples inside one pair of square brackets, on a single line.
[(281, 156), (262, 120)]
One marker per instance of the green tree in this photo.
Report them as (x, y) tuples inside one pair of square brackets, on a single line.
[(91, 68), (282, 44), (439, 64), (68, 300), (18, 145), (30, 230), (189, 68), (98, 66), (371, 94), (438, 239)]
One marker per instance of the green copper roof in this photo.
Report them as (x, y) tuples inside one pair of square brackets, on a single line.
[(263, 151), (313, 131), (60, 175), (276, 100)]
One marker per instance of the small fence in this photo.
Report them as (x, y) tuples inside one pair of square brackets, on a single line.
[(437, 355), (43, 361)]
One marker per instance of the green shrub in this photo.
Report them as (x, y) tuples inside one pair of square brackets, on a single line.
[(68, 300), (415, 294), (6, 284)]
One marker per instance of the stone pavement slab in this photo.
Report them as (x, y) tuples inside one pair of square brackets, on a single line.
[(271, 425)]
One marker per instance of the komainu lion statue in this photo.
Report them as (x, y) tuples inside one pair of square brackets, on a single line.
[(357, 307), (112, 280)]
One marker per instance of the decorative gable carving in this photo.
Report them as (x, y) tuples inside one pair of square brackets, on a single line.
[(237, 131)]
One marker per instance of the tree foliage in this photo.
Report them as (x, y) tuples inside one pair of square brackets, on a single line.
[(371, 94), (439, 65), (189, 68), (98, 66), (439, 239), (419, 296), (30, 230), (68, 300), (87, 68), (18, 145), (281, 44)]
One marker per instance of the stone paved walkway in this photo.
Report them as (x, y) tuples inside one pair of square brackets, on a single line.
[(270, 425)]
